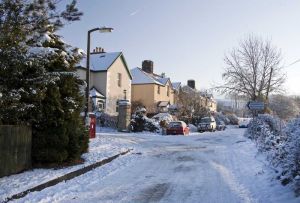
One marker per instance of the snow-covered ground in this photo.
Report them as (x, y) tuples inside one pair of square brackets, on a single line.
[(99, 149), (209, 167)]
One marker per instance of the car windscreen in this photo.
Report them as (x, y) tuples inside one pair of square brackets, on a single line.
[(205, 120), (174, 124)]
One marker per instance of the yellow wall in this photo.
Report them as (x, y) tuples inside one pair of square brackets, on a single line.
[(163, 94), (147, 94), (114, 92)]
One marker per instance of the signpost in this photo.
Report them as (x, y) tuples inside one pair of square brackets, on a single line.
[(255, 107)]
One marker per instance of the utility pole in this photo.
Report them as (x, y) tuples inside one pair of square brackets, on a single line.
[(268, 90), (269, 84)]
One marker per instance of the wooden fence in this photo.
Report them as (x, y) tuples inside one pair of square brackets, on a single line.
[(15, 149)]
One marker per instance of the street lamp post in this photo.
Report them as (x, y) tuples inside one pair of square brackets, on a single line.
[(102, 30)]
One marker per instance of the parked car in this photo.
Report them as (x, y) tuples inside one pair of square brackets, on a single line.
[(207, 124), (178, 128), (220, 125), (243, 123)]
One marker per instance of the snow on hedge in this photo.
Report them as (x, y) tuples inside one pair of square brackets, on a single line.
[(163, 117), (281, 144)]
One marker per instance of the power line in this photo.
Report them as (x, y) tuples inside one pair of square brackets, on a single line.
[(297, 61)]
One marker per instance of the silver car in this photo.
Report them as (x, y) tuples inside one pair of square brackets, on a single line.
[(207, 124)]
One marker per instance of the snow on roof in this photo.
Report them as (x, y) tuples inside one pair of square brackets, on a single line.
[(163, 103), (100, 61), (141, 77), (162, 80), (95, 93), (176, 85), (163, 116)]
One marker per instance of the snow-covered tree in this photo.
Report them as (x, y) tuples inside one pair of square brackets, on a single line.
[(22, 79), (49, 69)]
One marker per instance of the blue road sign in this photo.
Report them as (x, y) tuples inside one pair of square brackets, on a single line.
[(253, 105)]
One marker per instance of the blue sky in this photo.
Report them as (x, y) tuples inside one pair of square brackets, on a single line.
[(188, 39)]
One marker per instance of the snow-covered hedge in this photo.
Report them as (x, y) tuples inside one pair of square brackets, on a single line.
[(105, 120), (222, 117), (291, 152), (163, 117), (233, 119), (281, 144), (140, 122)]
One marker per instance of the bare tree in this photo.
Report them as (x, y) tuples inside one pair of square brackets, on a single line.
[(191, 104), (284, 106), (253, 70)]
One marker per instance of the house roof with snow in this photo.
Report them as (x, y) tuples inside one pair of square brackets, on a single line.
[(96, 93), (163, 104), (141, 77), (101, 62), (176, 85)]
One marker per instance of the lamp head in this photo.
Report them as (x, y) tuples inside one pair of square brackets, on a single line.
[(105, 29)]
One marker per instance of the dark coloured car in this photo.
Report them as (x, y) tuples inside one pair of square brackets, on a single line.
[(220, 125), (178, 128)]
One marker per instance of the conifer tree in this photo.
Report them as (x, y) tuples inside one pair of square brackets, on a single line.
[(49, 64)]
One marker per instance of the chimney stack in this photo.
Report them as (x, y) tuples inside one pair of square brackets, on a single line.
[(191, 83), (147, 66)]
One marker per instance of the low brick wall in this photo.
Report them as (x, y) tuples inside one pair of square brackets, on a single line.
[(15, 149)]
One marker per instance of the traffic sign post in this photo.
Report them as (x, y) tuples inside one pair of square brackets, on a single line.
[(255, 107)]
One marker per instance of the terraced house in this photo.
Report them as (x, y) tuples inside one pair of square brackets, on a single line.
[(154, 91)]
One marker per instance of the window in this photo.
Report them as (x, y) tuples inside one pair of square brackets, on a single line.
[(100, 105), (158, 89), (119, 79)]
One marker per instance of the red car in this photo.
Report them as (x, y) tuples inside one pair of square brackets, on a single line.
[(178, 128)]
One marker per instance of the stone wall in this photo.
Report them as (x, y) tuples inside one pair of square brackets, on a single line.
[(15, 149)]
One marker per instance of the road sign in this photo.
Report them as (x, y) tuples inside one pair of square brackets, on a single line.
[(253, 105)]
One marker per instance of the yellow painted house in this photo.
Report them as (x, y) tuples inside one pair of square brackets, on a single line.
[(154, 91), (110, 80)]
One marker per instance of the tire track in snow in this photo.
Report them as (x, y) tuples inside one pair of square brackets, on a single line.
[(233, 183)]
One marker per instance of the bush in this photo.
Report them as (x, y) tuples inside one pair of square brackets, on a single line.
[(291, 152), (281, 144), (233, 119), (140, 122), (106, 120), (222, 117)]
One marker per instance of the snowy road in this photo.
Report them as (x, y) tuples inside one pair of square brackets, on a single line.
[(208, 167)]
